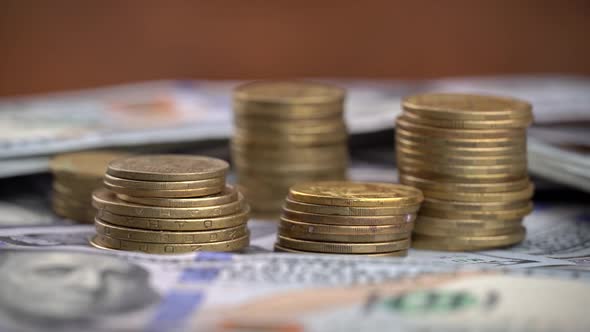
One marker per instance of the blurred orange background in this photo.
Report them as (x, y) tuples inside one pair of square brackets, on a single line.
[(65, 44)]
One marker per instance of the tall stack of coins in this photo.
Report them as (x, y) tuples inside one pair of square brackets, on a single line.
[(75, 176), (339, 217), (467, 153), (168, 204), (286, 133)]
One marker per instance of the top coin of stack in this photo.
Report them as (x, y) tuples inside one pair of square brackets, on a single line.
[(169, 204), (339, 217), (75, 176), (468, 155), (285, 133)]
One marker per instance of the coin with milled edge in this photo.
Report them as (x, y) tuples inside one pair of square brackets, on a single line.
[(482, 197), (446, 168), (160, 248), (296, 127), (342, 248), (183, 193), (399, 253), (467, 224), (403, 123), (428, 156), (288, 92), (349, 220), (298, 226), (469, 124), (227, 196), (349, 210), (355, 194), (461, 177), (467, 106), (168, 168), (134, 234), (460, 142), (494, 187), (163, 185), (104, 199), (436, 231), (483, 215), (289, 140), (462, 151), (467, 242), (160, 224), (473, 206)]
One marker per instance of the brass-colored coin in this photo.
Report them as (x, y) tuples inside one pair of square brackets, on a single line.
[(140, 235), (348, 193), (84, 216), (288, 112), (309, 127), (453, 243), (430, 156), (467, 187), (68, 203), (265, 166), (73, 191), (331, 233), (288, 93), (469, 124), (160, 248), (482, 197), (343, 248), (399, 253), (301, 154), (473, 206), (252, 174), (288, 140), (104, 199), (182, 193), (443, 168), (460, 142), (349, 210), (228, 195), (87, 164), (436, 231), (467, 224), (183, 225), (462, 151), (398, 220), (467, 106), (168, 168), (163, 185), (404, 123), (80, 197), (482, 215), (460, 177)]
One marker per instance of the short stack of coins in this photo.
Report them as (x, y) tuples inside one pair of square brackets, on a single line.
[(286, 133), (75, 176), (341, 217), (467, 153), (166, 204)]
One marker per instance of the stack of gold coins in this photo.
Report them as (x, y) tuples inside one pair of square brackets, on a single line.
[(75, 176), (168, 204), (286, 133), (467, 153), (340, 217)]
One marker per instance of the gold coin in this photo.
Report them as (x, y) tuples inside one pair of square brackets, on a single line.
[(462, 151), (308, 127), (290, 93), (104, 199), (73, 191), (349, 210), (163, 185), (160, 248), (182, 193), (140, 235), (404, 123), (343, 248), (302, 154), (285, 112), (444, 168), (291, 167), (467, 106), (429, 156), (397, 220), (287, 140), (87, 164), (228, 195), (482, 215), (460, 243), (467, 224), (460, 142), (434, 231), (330, 233), (447, 186), (473, 206), (469, 124), (159, 224), (252, 174), (168, 167), (399, 253), (84, 216), (348, 193), (482, 197), (460, 177)]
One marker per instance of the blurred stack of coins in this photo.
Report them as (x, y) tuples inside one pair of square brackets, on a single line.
[(340, 217), (167, 204), (467, 153), (286, 133), (75, 176)]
